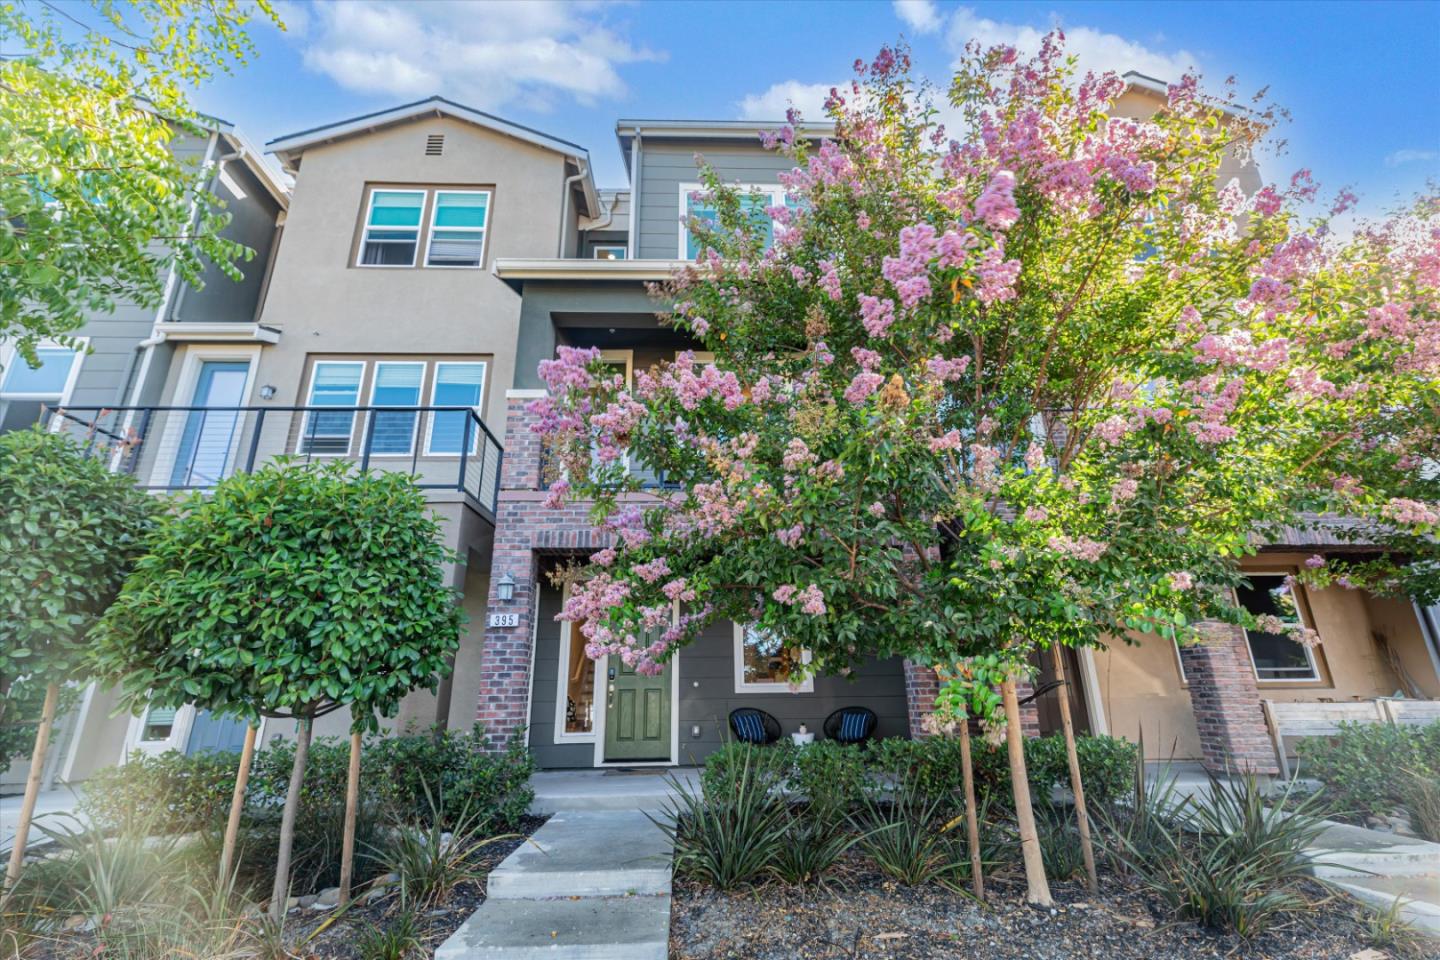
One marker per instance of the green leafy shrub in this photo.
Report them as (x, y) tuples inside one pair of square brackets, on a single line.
[(731, 831), (169, 792), (1358, 765), (315, 855), (768, 766), (831, 777)]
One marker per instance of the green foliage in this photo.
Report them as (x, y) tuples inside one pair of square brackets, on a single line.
[(20, 716), (169, 792), (98, 200), (1134, 826), (1060, 847), (814, 842), (729, 833), (315, 852), (1422, 802), (1107, 764), (1387, 930), (1230, 857), (430, 861), (900, 833), (398, 939), (291, 591), (69, 532), (176, 793), (1358, 766), (831, 777)]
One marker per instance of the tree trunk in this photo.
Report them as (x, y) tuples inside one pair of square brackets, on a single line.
[(280, 892), (972, 822), (237, 804), (352, 801), (32, 790), (1038, 889), (1077, 787)]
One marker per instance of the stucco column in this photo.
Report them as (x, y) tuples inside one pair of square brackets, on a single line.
[(1226, 702)]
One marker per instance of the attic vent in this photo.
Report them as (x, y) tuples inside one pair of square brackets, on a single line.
[(434, 144)]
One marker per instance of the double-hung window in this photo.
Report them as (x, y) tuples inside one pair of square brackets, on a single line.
[(392, 228), (25, 389), (754, 198), (457, 228), (396, 384), (334, 383), (1277, 656), (763, 663), (456, 385)]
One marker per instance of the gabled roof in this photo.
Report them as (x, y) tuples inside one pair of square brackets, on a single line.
[(290, 147), (627, 130)]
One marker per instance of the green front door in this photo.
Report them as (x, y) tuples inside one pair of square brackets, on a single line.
[(637, 713)]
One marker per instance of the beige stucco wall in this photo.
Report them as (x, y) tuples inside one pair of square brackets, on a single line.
[(1140, 684), (1140, 104), (324, 304)]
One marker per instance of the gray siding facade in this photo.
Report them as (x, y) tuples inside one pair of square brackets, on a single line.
[(707, 695), (666, 164)]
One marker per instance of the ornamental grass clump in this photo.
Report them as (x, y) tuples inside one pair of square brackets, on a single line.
[(730, 835)]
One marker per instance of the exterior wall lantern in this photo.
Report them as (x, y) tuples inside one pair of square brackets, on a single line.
[(505, 588)]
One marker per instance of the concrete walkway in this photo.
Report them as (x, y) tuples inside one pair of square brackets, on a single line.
[(48, 803), (1376, 868), (594, 881)]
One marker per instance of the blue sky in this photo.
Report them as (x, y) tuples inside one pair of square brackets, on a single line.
[(1361, 79)]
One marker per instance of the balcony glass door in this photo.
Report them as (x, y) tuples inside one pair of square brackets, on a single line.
[(207, 444)]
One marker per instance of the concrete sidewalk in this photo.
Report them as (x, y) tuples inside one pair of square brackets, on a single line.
[(49, 803)]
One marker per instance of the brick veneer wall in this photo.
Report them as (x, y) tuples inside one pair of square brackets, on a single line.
[(1226, 702), (922, 686)]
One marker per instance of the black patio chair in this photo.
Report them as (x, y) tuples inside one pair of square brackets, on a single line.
[(851, 725), (754, 726)]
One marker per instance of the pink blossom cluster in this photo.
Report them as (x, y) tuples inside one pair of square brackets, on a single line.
[(810, 599), (909, 273), (1078, 548), (1407, 511), (876, 314), (997, 275)]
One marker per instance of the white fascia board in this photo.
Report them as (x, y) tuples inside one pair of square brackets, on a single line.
[(577, 269), (176, 331)]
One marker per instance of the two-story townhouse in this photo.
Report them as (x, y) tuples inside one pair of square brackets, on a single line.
[(1200, 703), (125, 359)]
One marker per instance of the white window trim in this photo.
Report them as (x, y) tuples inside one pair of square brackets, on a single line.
[(434, 201), (9, 355), (767, 686), (195, 358), (1316, 676), (419, 402), (434, 385), (568, 638), (365, 229), (775, 191), (309, 396), (595, 253)]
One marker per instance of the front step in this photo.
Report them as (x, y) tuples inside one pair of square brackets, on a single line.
[(593, 928), (591, 854), (1345, 852)]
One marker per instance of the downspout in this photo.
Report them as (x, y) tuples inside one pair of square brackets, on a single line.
[(631, 241), (565, 204), (1429, 632)]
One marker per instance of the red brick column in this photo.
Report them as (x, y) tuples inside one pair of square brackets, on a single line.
[(921, 687), (1029, 712), (1226, 702)]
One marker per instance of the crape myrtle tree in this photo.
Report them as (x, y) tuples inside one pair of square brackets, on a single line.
[(96, 202), (290, 592), (69, 532), (1044, 383)]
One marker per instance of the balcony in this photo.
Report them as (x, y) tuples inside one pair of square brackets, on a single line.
[(173, 448)]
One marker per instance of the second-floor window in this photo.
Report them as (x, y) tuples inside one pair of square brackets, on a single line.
[(754, 198), (392, 383), (396, 228)]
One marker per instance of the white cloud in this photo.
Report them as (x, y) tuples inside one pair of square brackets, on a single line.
[(919, 15), (1401, 157), (486, 53), (1094, 49), (808, 98)]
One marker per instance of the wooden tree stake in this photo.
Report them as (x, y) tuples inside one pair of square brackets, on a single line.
[(352, 801), (972, 821), (237, 804), (1038, 889), (32, 790), (280, 892), (1077, 787)]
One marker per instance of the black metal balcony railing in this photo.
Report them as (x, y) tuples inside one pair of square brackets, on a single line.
[(192, 448)]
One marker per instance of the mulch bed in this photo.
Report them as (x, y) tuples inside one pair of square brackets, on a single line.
[(862, 914), (340, 939)]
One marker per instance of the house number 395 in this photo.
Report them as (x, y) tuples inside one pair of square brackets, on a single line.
[(504, 619)]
